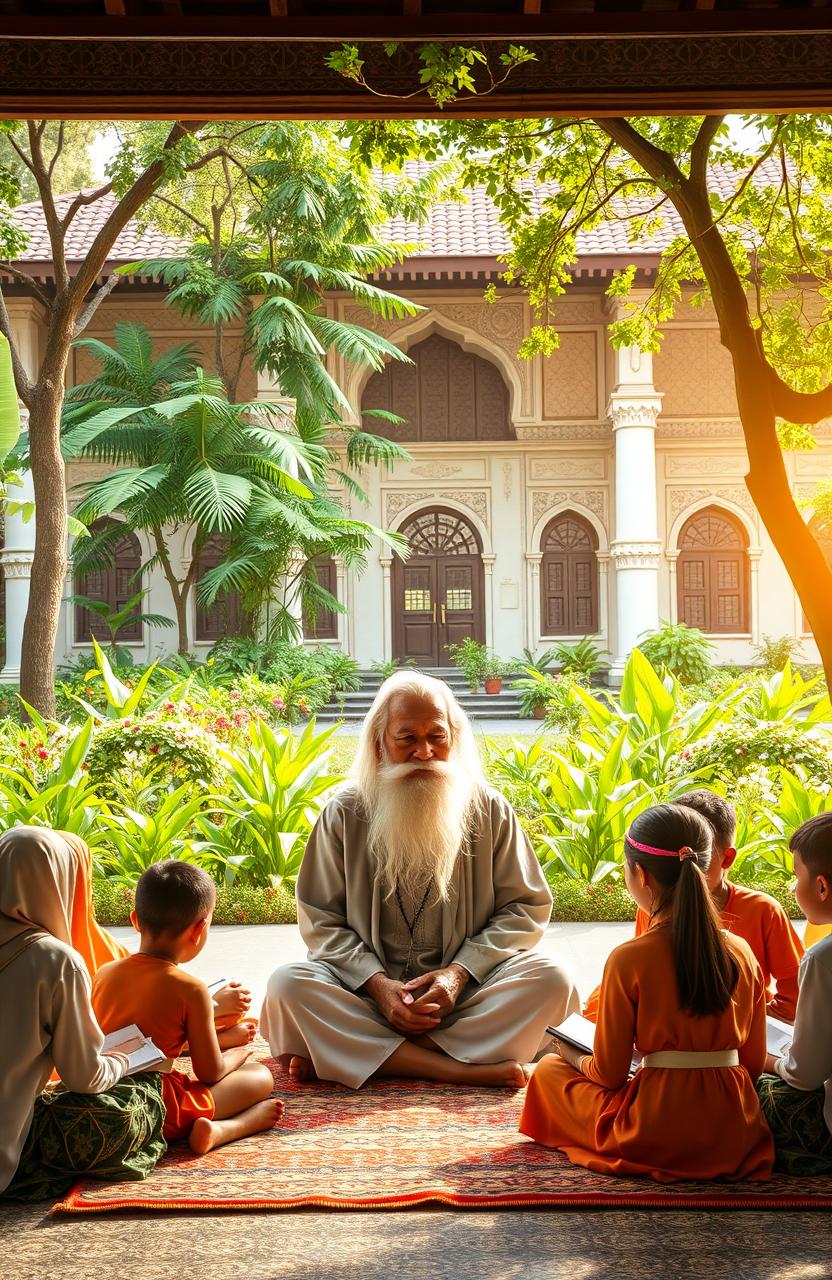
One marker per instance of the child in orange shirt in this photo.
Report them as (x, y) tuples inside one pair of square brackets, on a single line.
[(751, 915), (689, 997), (230, 1097)]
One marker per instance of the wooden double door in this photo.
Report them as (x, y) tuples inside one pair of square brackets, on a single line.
[(438, 591)]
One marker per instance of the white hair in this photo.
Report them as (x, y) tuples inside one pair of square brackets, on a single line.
[(416, 831)]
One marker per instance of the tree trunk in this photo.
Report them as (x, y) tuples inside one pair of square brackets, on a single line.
[(37, 683)]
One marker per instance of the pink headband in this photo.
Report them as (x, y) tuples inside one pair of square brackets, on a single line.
[(684, 854)]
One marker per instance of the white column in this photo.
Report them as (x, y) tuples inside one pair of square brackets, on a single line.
[(754, 554), (533, 560), (635, 551), (16, 560), (488, 565), (387, 607), (672, 555), (342, 620)]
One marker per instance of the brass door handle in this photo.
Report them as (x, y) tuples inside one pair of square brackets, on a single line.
[(443, 615), (434, 613)]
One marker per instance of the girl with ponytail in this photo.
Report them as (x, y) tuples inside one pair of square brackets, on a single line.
[(688, 998)]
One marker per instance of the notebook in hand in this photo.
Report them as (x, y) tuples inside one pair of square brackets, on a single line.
[(580, 1033), (217, 985), (141, 1053)]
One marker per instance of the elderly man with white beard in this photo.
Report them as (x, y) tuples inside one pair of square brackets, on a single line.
[(420, 902)]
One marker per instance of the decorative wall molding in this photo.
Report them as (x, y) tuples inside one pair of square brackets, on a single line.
[(698, 428), (435, 470), (475, 499), (508, 474), (700, 465), (564, 431), (593, 467), (544, 500), (678, 500)]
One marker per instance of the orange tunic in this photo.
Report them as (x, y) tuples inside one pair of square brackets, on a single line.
[(665, 1123), (153, 994), (770, 934), (814, 933)]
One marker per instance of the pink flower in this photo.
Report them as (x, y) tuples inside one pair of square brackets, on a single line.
[(43, 755), (169, 706)]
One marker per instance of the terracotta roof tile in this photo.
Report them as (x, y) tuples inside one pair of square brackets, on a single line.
[(469, 229)]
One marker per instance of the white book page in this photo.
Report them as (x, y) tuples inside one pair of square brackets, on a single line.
[(141, 1053), (779, 1037)]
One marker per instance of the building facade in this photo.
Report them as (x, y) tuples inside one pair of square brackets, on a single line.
[(592, 492)]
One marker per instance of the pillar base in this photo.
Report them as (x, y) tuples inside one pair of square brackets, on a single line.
[(10, 675)]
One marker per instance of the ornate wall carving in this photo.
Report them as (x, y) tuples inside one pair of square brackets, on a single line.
[(575, 431), (545, 500), (570, 377), (695, 373), (508, 473), (475, 500), (435, 470), (678, 500), (581, 468)]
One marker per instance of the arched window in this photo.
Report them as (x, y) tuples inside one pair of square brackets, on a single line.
[(324, 626), (712, 574), (569, 577), (445, 394), (224, 616), (115, 585), (823, 536)]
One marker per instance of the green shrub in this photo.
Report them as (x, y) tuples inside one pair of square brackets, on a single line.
[(772, 653), (584, 658), (236, 904), (732, 750), (187, 752), (683, 651)]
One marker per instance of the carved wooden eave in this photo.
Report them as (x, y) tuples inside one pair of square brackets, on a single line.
[(261, 58)]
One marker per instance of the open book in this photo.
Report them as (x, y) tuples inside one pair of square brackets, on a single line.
[(217, 985), (580, 1033), (142, 1054), (778, 1037)]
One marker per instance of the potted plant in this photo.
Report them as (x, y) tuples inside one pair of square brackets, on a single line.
[(536, 690), (471, 658), (492, 673)]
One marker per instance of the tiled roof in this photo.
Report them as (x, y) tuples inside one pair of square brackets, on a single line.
[(470, 229)]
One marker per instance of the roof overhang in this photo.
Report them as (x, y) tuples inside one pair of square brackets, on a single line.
[(266, 58)]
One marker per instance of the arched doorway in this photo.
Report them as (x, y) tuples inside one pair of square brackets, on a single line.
[(569, 577), (713, 574), (438, 592)]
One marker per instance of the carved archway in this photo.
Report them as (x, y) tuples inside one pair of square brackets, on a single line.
[(447, 393), (438, 593)]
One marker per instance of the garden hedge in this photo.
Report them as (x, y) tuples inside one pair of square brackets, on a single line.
[(575, 902)]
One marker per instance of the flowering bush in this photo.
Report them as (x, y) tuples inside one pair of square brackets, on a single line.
[(741, 749), (186, 751)]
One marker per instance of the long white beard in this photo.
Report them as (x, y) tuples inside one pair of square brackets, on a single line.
[(419, 817)]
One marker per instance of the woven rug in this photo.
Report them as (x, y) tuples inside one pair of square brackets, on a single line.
[(396, 1144)]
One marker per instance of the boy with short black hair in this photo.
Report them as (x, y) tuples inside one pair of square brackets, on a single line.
[(797, 1097), (230, 1097), (750, 914)]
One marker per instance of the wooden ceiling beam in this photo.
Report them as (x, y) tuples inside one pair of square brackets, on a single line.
[(115, 8), (531, 6), (278, 8)]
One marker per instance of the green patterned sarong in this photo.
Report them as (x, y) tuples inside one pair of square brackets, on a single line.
[(114, 1136), (802, 1142)]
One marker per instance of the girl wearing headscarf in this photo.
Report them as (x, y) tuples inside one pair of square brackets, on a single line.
[(48, 1022)]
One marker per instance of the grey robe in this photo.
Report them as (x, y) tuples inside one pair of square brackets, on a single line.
[(496, 913)]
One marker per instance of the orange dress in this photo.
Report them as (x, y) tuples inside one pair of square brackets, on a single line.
[(666, 1123), (153, 994), (814, 933), (770, 934)]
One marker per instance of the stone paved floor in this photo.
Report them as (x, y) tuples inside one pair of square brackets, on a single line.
[(423, 1245)]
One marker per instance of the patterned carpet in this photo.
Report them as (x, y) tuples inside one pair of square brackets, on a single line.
[(396, 1144)]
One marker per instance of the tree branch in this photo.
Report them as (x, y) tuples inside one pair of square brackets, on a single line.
[(23, 277), (659, 164), (799, 406), (59, 146), (82, 199), (94, 303), (25, 388), (701, 148), (47, 199), (129, 204)]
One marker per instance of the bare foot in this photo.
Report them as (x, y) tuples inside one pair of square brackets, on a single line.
[(506, 1075), (301, 1069), (207, 1134), (232, 1037)]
